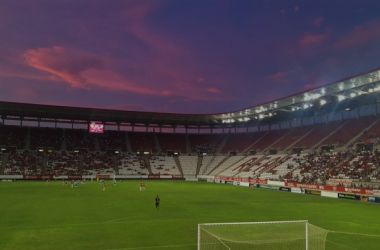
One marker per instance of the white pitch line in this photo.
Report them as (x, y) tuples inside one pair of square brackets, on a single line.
[(369, 235)]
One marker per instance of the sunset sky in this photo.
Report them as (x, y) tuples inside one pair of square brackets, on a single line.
[(181, 56)]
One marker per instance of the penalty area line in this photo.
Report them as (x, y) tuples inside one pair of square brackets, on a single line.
[(369, 235), (153, 247)]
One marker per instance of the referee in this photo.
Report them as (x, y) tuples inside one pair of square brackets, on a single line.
[(157, 202)]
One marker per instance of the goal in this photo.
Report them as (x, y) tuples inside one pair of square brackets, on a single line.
[(274, 235)]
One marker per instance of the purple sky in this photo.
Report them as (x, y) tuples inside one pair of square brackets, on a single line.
[(181, 56)]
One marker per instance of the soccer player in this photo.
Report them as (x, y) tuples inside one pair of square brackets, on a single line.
[(114, 182), (143, 187), (140, 187), (104, 186), (157, 202)]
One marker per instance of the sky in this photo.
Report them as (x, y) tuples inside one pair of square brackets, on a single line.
[(181, 56)]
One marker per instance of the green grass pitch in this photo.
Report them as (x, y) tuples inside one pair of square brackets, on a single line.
[(36, 216)]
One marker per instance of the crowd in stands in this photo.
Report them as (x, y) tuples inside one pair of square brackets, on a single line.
[(131, 164), (362, 167), (209, 148), (24, 163)]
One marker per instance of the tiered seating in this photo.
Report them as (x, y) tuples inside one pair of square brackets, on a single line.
[(46, 138), (25, 163), (188, 164), (98, 163), (270, 138), (315, 168), (280, 169), (163, 165), (208, 143), (62, 163), (223, 169), (358, 167), (240, 142), (174, 142), (142, 141), (79, 138), (209, 162), (131, 165), (294, 135), (373, 133), (260, 165), (318, 134), (349, 130), (13, 136), (113, 140), (238, 166)]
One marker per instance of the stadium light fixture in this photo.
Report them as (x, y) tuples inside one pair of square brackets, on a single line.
[(322, 102), (352, 95), (341, 97), (261, 116)]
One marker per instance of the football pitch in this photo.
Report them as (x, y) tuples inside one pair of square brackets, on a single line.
[(36, 216)]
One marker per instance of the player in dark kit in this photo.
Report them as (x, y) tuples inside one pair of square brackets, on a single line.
[(157, 202)]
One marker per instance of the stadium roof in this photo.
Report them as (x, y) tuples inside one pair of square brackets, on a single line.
[(350, 93)]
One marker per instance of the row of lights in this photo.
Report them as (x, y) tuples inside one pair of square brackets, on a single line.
[(308, 97)]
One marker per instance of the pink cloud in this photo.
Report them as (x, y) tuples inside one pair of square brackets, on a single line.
[(81, 69), (69, 64), (309, 86), (279, 77), (296, 8), (309, 40), (213, 90), (360, 35), (318, 21)]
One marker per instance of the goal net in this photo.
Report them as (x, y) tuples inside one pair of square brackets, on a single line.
[(278, 235)]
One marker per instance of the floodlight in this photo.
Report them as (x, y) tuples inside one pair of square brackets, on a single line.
[(322, 102), (341, 97)]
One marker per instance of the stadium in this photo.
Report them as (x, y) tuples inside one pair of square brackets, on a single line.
[(312, 156), (183, 125)]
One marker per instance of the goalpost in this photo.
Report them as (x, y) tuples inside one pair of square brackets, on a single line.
[(275, 235)]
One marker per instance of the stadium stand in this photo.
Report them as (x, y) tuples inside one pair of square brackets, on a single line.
[(205, 143), (172, 142), (113, 140), (13, 136), (360, 165), (142, 141), (46, 138)]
